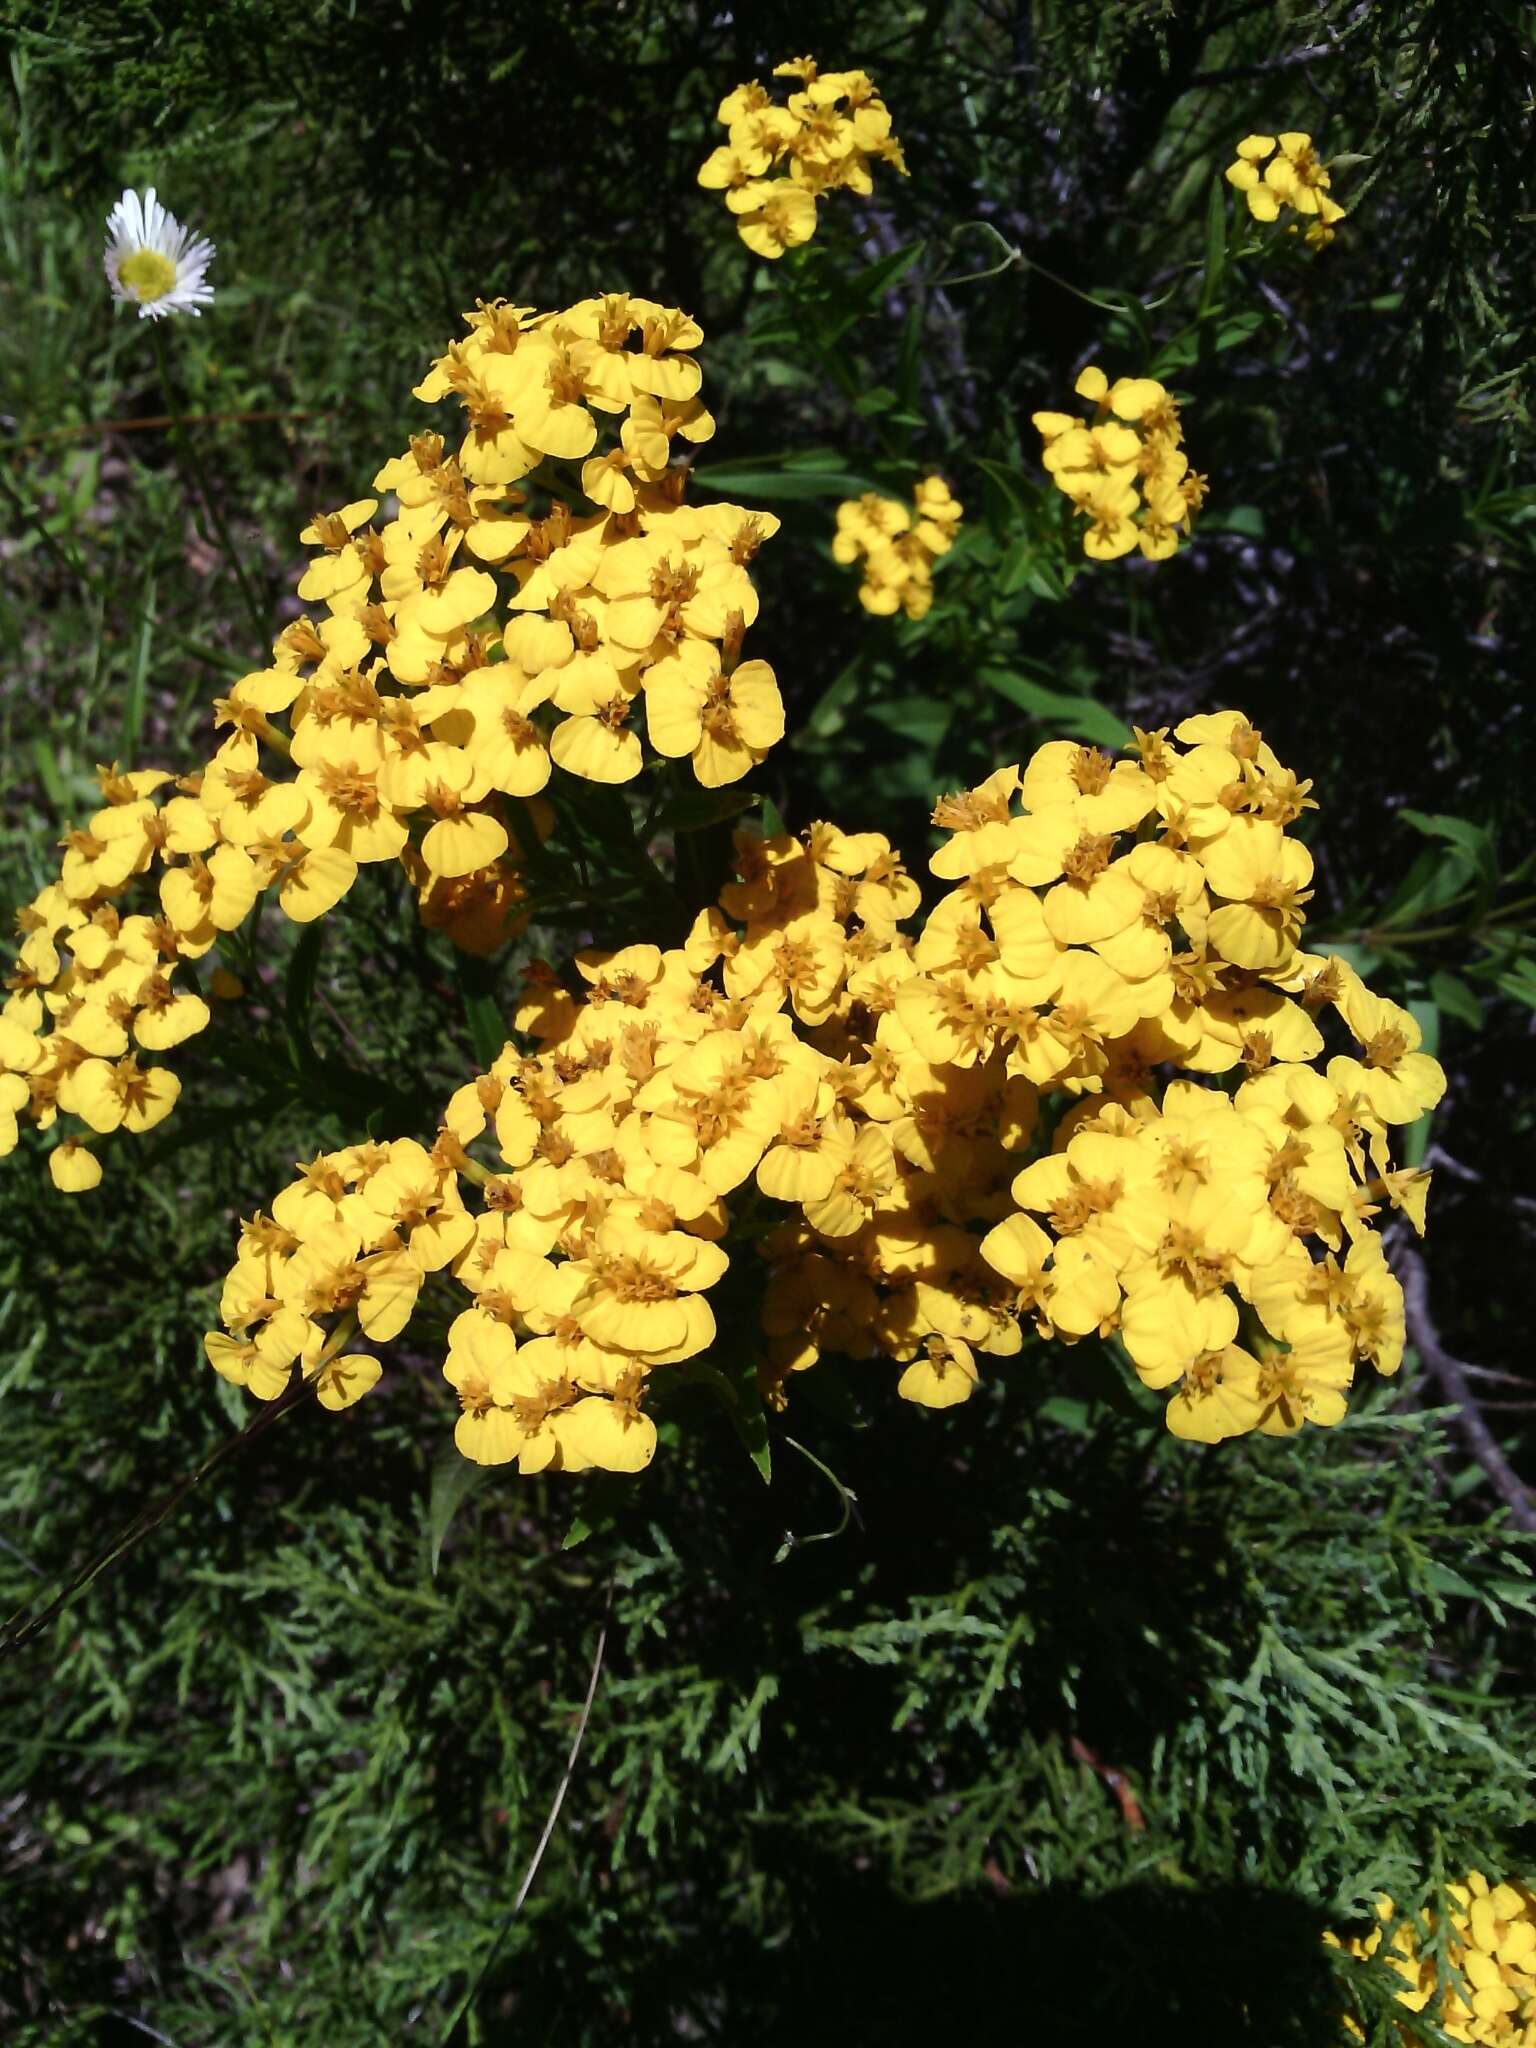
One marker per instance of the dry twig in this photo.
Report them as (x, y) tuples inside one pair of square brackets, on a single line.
[(1454, 1376)]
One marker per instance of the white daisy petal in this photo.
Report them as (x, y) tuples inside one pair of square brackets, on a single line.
[(152, 261)]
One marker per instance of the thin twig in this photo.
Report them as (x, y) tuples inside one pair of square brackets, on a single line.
[(154, 421), (548, 1830), (201, 491), (143, 2026), (1452, 1374), (20, 1629), (1437, 1156), (1236, 73)]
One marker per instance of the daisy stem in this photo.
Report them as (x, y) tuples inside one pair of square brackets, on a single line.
[(197, 482)]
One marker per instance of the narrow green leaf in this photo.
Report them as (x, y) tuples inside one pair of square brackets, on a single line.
[(50, 775), (1215, 245), (1474, 840), (1456, 999), (777, 476), (827, 714), (1415, 1139), (877, 278), (478, 984), (138, 676), (299, 996), (909, 357), (732, 1379), (1020, 491), (697, 808), (923, 719), (1247, 520), (1080, 717), (602, 1496), (1239, 328), (454, 1478)]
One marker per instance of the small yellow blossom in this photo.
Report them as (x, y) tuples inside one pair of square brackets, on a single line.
[(779, 161), (898, 545), (1124, 467), (1291, 178)]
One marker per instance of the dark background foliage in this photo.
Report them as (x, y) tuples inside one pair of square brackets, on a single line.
[(1061, 1721)]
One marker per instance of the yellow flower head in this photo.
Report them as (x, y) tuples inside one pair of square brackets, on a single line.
[(1280, 173), (779, 161), (1123, 467)]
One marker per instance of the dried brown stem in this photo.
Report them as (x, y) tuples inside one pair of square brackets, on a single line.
[(1454, 1376)]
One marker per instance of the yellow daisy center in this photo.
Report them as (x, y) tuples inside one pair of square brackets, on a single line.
[(147, 274)]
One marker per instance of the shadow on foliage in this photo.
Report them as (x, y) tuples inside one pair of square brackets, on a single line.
[(1229, 1965)]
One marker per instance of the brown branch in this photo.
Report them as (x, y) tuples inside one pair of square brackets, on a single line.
[(152, 422), (1453, 1375)]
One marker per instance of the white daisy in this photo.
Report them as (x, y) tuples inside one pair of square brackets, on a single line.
[(152, 261)]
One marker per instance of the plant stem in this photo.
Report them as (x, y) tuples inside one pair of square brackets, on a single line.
[(197, 481)]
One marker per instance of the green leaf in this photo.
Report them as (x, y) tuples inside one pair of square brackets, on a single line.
[(1019, 490), (50, 775), (299, 996), (1215, 245), (603, 1494), (749, 1419), (1520, 982), (734, 1385), (133, 702), (454, 1478), (1431, 880), (923, 719), (1476, 841), (827, 716), (1246, 520), (697, 808), (876, 278), (1239, 328), (1364, 959), (483, 1013), (910, 356), (848, 299), (1415, 1139), (1080, 716), (1456, 999), (809, 473)]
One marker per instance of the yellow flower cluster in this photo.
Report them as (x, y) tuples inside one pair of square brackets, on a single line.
[(898, 546), (1292, 178), (1125, 469), (968, 1124), (779, 160), (457, 651), (1490, 1995)]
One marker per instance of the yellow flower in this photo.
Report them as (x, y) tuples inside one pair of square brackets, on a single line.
[(727, 724), (107, 1094), (1291, 177), (344, 1381), (826, 137), (773, 215), (943, 1374), (1398, 1081), (899, 547), (1123, 470), (72, 1167)]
